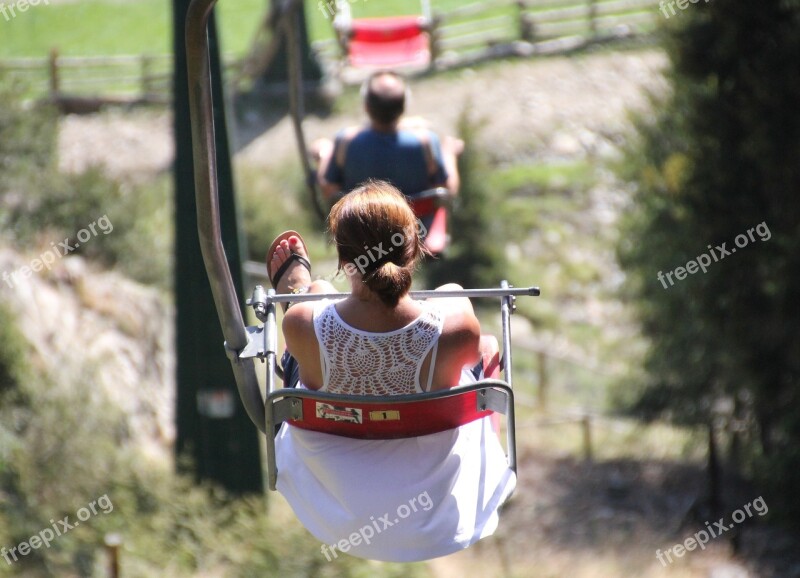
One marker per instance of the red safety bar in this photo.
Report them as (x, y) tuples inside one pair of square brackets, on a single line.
[(387, 29), (392, 418), (388, 417), (389, 420)]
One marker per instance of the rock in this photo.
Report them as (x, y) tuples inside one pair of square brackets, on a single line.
[(563, 144), (82, 323)]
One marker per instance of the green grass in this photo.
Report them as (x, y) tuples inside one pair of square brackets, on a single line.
[(98, 27), (108, 28), (89, 28), (543, 176)]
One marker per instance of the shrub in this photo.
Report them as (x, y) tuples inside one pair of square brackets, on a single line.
[(475, 257), (40, 207)]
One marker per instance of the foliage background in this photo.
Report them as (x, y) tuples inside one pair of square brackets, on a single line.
[(721, 158)]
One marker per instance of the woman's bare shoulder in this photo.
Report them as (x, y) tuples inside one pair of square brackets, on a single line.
[(457, 311), (298, 325), (461, 331)]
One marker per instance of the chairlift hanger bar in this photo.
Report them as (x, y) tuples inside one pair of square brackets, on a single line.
[(208, 218)]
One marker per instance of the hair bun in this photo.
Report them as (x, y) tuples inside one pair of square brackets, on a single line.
[(390, 281), (366, 225)]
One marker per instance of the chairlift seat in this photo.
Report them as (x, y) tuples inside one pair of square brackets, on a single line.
[(430, 208), (437, 239), (381, 417), (388, 42), (392, 417)]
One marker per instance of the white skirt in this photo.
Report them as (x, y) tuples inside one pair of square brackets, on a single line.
[(395, 500)]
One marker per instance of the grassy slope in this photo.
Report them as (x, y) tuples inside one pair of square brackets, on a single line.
[(98, 27)]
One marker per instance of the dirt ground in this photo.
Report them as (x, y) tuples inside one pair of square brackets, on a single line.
[(558, 106), (571, 518)]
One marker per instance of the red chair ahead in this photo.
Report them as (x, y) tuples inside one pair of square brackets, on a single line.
[(388, 42), (430, 207)]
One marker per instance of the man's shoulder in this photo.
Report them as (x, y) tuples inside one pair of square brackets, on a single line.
[(420, 137), (420, 134), (349, 133)]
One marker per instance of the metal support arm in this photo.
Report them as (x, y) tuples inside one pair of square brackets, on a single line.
[(208, 218)]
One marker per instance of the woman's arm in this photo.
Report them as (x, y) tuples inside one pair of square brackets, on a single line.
[(301, 340), (459, 345)]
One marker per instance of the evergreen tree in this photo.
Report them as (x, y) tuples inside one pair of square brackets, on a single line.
[(721, 160)]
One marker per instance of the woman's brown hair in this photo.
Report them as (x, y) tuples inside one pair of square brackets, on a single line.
[(377, 235)]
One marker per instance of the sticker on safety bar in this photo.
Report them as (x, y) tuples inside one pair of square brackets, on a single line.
[(339, 413), (384, 415)]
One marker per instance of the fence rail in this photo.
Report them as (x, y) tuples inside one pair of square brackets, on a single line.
[(525, 27), (142, 78)]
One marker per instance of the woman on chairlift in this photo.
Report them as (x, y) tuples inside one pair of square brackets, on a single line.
[(397, 500)]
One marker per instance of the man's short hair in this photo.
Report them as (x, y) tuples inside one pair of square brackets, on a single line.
[(384, 106)]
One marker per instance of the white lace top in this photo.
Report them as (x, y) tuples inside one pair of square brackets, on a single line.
[(362, 363), (398, 500)]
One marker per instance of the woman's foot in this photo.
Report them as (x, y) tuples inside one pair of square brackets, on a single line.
[(297, 274), (288, 265)]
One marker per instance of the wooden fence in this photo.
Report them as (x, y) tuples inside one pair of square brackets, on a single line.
[(500, 28), (525, 27), (104, 79)]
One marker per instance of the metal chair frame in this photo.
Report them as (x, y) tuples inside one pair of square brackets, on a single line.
[(284, 404)]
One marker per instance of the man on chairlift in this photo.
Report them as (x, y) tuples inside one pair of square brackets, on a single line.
[(401, 151)]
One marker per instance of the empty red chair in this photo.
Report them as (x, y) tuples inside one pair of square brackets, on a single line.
[(388, 42)]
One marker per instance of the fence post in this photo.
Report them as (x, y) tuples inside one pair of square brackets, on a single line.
[(593, 18), (113, 542), (146, 67), (544, 384), (435, 34), (586, 426), (55, 81), (526, 27), (714, 470)]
